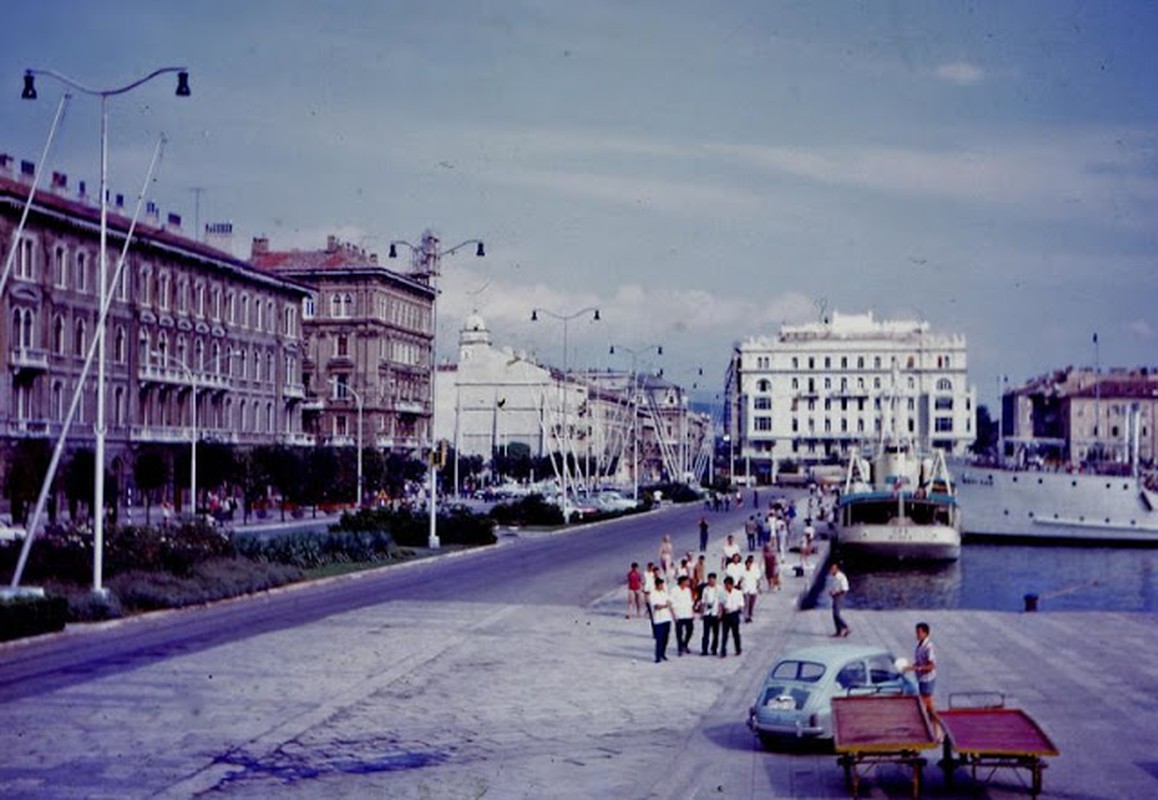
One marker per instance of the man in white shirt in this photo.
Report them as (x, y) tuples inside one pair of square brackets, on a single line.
[(731, 549), (735, 571), (683, 609), (732, 605), (661, 619), (837, 589), (750, 585), (710, 598)]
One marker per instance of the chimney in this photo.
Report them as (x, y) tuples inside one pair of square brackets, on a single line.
[(152, 213), (332, 244), (120, 202), (27, 170), (173, 222), (5, 162), (81, 191), (219, 235), (260, 246), (374, 259), (59, 181)]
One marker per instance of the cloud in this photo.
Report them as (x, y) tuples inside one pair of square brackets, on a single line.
[(960, 72), (1142, 329)]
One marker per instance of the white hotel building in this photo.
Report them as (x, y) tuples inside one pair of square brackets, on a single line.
[(814, 390)]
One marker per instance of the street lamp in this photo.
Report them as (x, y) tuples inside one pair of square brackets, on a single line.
[(426, 258), (340, 391), (634, 353), (565, 319), (29, 93), (194, 385)]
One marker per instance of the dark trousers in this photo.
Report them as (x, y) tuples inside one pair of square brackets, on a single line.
[(662, 631), (712, 630), (731, 624), (684, 629), (703, 540), (837, 619)]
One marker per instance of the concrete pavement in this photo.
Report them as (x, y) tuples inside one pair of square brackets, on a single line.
[(412, 699)]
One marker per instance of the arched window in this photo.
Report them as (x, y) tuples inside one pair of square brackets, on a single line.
[(764, 385), (200, 355), (944, 385), (58, 345), (119, 350), (162, 349), (57, 401), (80, 272), (60, 267), (335, 305), (348, 306), (259, 318), (80, 339), (245, 310), (182, 352), (146, 354)]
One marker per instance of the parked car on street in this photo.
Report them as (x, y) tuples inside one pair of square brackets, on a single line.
[(796, 698)]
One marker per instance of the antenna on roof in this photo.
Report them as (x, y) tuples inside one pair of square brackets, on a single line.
[(822, 308)]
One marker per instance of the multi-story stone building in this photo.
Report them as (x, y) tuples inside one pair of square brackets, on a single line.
[(193, 334), (369, 339), (1080, 414), (813, 391)]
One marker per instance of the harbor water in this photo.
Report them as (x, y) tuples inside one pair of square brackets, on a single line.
[(997, 577)]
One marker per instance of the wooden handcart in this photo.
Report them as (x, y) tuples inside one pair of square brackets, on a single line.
[(880, 729)]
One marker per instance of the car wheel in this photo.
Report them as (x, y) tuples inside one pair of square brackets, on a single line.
[(767, 742)]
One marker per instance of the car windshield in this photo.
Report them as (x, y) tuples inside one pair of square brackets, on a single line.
[(793, 670)]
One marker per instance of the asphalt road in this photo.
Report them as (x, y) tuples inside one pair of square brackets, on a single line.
[(568, 569)]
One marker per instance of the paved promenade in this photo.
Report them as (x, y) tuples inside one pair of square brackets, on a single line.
[(469, 700)]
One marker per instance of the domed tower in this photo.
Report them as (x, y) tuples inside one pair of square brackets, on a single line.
[(473, 337)]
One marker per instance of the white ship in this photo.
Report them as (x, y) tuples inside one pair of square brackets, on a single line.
[(1078, 506), (899, 507)]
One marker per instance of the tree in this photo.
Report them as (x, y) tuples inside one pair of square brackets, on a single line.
[(151, 471), (24, 476)]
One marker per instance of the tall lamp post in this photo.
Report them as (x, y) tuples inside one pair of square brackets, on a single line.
[(634, 353), (565, 319), (340, 392), (426, 259), (29, 93), (194, 385)]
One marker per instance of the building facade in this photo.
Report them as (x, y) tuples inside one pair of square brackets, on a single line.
[(368, 337), (616, 426), (1078, 415), (810, 393), (193, 334)]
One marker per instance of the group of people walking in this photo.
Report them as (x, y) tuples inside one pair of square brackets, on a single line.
[(675, 596)]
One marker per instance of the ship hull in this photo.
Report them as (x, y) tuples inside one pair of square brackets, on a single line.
[(899, 542), (1055, 505)]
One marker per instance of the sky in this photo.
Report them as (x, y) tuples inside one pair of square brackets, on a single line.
[(700, 172)]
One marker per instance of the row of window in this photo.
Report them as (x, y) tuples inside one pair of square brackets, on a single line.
[(344, 305), (943, 361), (764, 424), (764, 385), (80, 274)]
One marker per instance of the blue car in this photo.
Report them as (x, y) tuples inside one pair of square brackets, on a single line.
[(796, 699)]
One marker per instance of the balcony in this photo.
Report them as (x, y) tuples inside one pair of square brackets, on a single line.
[(340, 441), (314, 404), (299, 439), (178, 376), (29, 359), (294, 391), (159, 433), (409, 407), (28, 428), (385, 442)]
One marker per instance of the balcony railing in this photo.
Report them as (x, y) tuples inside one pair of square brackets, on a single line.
[(156, 373), (159, 433), (410, 407), (294, 391), (29, 428), (29, 358), (299, 439)]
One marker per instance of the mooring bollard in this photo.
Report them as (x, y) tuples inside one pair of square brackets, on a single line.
[(1031, 602)]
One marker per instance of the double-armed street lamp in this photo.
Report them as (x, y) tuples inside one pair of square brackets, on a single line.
[(29, 93), (426, 260), (340, 392), (635, 353), (565, 319)]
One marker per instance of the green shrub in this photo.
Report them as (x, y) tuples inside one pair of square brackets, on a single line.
[(311, 549), (530, 510), (207, 581), (31, 616), (408, 529)]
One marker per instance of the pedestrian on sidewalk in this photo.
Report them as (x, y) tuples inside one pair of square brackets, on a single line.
[(735, 571), (771, 566), (703, 534), (732, 606), (731, 549), (709, 604), (699, 576), (684, 610), (750, 532), (661, 618), (837, 589), (750, 585), (925, 666), (649, 587), (634, 590)]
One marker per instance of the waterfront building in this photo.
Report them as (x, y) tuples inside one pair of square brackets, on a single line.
[(813, 391), (1076, 415), (368, 339), (193, 335), (614, 425)]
